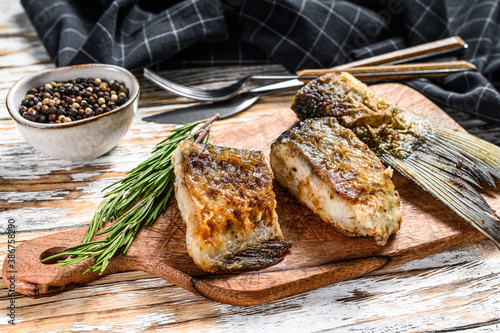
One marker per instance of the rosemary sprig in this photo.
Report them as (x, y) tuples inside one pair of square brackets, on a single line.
[(135, 202)]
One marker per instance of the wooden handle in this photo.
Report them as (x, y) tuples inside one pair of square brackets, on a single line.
[(408, 54), (428, 69), (33, 278)]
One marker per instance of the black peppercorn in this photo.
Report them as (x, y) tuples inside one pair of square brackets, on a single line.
[(61, 102), (32, 116), (115, 86)]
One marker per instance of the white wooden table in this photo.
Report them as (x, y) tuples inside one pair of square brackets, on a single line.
[(451, 291)]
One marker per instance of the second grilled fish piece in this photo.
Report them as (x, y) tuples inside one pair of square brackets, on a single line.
[(226, 198), (338, 177), (441, 160)]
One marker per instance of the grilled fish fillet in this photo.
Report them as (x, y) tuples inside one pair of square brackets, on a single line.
[(226, 198), (443, 161), (327, 168)]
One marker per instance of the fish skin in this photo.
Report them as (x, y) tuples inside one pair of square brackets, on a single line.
[(439, 159), (381, 125)]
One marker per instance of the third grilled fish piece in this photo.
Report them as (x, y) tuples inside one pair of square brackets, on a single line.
[(443, 161), (338, 177)]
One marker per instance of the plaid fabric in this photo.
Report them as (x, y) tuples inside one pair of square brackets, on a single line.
[(296, 33)]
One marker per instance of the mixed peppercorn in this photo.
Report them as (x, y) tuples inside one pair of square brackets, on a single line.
[(62, 102)]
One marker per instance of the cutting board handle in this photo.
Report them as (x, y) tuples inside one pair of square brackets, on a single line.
[(33, 278)]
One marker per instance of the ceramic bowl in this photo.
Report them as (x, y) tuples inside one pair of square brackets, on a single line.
[(83, 139)]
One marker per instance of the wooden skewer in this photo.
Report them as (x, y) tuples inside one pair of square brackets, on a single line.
[(409, 54)]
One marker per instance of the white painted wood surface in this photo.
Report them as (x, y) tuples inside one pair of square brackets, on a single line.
[(452, 291)]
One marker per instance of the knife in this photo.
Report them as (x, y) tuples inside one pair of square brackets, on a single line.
[(225, 108)]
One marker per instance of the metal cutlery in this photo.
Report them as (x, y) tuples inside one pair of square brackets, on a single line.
[(225, 108), (209, 95), (409, 54), (242, 101)]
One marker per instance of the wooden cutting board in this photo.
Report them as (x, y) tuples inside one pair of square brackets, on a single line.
[(319, 255)]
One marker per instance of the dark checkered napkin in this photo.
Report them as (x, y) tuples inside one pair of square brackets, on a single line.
[(295, 33)]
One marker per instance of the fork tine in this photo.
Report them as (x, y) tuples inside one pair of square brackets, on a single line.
[(194, 92), (170, 85)]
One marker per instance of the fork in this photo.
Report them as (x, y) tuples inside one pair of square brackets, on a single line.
[(383, 72), (211, 95)]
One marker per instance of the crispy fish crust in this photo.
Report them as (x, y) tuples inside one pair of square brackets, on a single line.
[(383, 126), (226, 198), (337, 176)]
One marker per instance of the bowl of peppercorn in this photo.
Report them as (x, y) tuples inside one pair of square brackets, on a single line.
[(77, 112)]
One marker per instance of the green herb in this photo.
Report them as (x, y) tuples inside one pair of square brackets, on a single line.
[(134, 203)]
